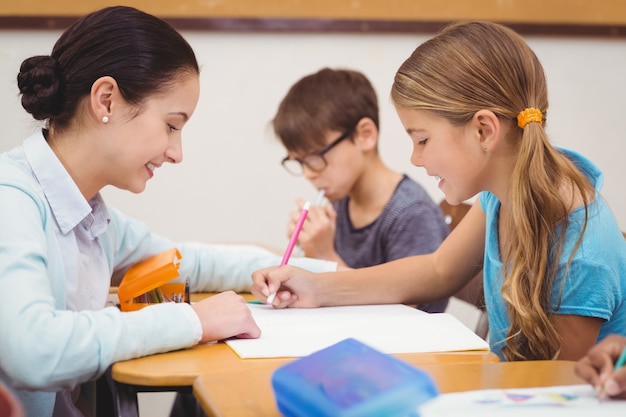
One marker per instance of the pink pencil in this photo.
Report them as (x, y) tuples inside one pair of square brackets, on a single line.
[(292, 243)]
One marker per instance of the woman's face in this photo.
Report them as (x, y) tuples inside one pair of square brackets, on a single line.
[(450, 153), (150, 137)]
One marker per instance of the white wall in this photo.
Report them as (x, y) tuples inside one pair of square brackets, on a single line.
[(231, 187)]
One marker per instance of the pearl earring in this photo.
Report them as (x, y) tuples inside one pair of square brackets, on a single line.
[(105, 119)]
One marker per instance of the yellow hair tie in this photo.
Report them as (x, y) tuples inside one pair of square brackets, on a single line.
[(528, 115)]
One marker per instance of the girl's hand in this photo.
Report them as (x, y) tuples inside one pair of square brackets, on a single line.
[(294, 287)]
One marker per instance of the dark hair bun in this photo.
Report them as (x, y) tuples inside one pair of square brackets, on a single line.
[(40, 85)]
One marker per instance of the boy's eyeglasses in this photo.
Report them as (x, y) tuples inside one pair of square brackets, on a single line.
[(315, 161)]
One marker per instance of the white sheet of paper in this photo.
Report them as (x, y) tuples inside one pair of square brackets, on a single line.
[(556, 401), (391, 328)]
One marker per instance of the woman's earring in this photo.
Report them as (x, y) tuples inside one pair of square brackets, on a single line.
[(485, 148), (105, 119)]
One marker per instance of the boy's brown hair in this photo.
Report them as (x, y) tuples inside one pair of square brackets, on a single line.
[(330, 99)]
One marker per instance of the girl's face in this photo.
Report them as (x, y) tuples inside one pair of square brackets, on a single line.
[(452, 154), (150, 137)]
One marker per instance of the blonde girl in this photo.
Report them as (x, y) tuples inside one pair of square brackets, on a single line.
[(473, 100)]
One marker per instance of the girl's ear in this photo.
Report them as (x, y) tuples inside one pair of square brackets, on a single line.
[(366, 134), (488, 129), (104, 92)]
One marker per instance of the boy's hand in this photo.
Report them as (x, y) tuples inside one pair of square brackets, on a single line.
[(318, 233)]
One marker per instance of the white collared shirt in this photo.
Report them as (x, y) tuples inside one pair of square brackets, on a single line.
[(78, 224)]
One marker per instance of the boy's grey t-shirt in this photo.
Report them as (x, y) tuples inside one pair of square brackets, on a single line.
[(410, 224)]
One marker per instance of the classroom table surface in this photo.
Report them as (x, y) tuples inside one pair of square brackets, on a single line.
[(178, 370), (182, 367), (249, 393)]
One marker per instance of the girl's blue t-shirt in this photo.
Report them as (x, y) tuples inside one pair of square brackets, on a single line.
[(595, 284)]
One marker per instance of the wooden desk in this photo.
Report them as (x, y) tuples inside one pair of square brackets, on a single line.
[(250, 394), (177, 371)]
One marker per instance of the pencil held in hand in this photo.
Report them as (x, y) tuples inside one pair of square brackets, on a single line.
[(292, 243), (605, 390), (621, 361), (319, 200), (296, 232), (320, 197), (270, 299)]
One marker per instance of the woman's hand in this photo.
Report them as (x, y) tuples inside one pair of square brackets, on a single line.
[(226, 315)]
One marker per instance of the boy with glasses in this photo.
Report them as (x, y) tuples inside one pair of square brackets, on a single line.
[(328, 123)]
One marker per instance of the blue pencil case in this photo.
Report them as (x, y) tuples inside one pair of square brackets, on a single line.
[(350, 379)]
